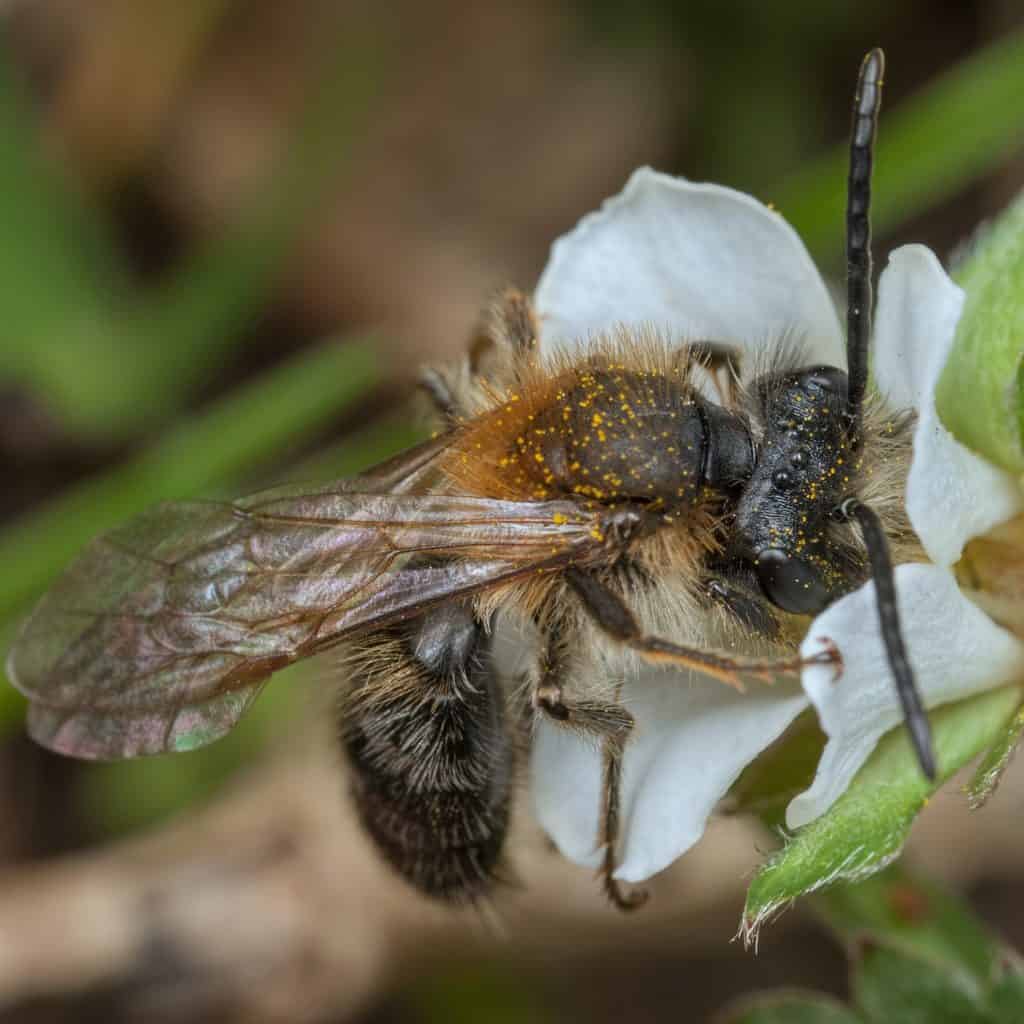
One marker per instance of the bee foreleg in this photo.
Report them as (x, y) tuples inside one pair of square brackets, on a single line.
[(749, 611), (607, 610), (723, 363)]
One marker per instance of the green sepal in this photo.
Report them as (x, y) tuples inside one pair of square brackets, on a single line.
[(867, 826), (980, 394), (995, 762)]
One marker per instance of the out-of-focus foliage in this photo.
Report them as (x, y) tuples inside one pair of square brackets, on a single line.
[(107, 356), (918, 954)]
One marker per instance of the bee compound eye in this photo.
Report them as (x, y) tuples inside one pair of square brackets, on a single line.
[(791, 583)]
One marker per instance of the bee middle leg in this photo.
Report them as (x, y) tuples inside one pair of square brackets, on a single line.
[(508, 329), (610, 613), (609, 723)]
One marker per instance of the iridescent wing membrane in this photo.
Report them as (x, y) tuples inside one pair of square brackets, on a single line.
[(163, 632)]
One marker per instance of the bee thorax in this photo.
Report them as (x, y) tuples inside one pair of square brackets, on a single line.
[(619, 435)]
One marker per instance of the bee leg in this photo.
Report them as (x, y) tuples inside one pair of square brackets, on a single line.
[(510, 323), (608, 611), (437, 389), (509, 328), (746, 609), (611, 790), (723, 363), (610, 723)]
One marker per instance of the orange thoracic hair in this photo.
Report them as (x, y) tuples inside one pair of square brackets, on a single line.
[(607, 423)]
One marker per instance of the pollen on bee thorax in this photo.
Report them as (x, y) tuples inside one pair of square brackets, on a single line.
[(605, 431)]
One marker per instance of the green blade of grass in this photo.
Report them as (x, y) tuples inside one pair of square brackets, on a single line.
[(965, 123), (251, 426), (58, 265), (107, 361), (190, 324)]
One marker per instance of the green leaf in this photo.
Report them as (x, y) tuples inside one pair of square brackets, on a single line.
[(787, 1007), (995, 762), (979, 395), (1006, 998), (920, 915), (786, 769), (919, 946), (866, 828), (892, 983), (961, 125)]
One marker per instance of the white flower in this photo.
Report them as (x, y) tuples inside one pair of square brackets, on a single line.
[(952, 496), (701, 261)]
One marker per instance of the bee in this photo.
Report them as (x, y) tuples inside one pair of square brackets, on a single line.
[(588, 494)]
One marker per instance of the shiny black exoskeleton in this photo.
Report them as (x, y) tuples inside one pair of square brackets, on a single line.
[(784, 517)]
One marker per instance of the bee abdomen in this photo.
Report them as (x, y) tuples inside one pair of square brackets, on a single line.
[(431, 759)]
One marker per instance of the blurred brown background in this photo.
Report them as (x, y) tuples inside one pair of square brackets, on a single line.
[(196, 193)]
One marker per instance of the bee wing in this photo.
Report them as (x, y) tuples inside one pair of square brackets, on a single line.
[(162, 633)]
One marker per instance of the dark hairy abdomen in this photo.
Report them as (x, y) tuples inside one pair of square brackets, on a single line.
[(432, 762)]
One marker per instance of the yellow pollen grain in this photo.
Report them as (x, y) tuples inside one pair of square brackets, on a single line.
[(560, 519)]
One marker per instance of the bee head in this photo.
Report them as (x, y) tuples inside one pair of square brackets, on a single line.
[(806, 466)]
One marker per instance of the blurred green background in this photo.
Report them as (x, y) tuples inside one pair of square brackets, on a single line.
[(232, 229)]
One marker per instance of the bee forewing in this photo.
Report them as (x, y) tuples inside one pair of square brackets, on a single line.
[(162, 632)]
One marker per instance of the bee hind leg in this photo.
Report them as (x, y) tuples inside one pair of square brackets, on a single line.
[(612, 748), (610, 723)]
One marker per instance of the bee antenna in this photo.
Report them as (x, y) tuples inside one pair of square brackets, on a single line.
[(866, 102), (892, 636)]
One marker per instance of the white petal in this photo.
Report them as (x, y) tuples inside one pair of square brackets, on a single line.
[(693, 737), (697, 261), (952, 494), (956, 651)]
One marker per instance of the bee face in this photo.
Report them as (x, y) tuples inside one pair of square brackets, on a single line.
[(807, 465)]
